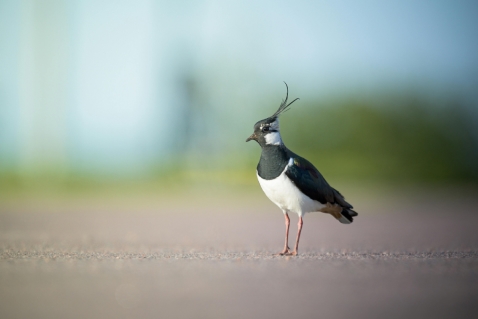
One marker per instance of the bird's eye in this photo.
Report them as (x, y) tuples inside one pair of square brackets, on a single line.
[(265, 129)]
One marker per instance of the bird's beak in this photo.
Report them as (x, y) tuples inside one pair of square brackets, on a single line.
[(252, 137)]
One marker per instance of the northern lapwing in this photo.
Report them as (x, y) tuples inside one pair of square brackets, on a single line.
[(292, 182)]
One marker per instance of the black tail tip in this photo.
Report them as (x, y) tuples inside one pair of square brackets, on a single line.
[(352, 213), (349, 214)]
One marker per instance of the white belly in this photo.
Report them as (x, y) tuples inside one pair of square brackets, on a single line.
[(282, 192)]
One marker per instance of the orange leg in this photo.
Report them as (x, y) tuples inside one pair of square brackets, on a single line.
[(296, 247), (286, 245)]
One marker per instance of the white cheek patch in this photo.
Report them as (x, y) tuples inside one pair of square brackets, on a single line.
[(273, 138)]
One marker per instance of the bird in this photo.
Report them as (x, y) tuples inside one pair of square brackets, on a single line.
[(292, 182)]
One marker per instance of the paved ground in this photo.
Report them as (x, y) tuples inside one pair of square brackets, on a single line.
[(415, 258)]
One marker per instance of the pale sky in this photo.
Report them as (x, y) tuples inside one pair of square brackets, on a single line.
[(115, 96)]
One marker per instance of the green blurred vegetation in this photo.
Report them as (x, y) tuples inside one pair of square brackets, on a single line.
[(387, 139), (404, 140)]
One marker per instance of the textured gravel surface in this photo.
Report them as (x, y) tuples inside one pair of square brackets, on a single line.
[(50, 254), (412, 260)]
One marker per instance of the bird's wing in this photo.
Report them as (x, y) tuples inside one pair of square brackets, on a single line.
[(309, 180)]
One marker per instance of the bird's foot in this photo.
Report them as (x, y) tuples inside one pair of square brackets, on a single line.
[(291, 253), (285, 252)]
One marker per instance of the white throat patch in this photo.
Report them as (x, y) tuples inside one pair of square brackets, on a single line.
[(273, 138)]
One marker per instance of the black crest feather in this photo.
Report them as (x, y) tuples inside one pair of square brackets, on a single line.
[(284, 106)]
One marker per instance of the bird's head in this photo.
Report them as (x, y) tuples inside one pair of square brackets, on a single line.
[(266, 131)]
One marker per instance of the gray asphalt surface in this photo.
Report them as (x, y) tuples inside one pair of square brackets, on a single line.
[(412, 259)]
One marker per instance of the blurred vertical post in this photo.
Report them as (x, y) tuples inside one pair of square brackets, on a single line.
[(184, 139), (43, 87), (193, 143)]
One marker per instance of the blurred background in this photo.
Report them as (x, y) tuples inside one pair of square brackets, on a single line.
[(154, 98)]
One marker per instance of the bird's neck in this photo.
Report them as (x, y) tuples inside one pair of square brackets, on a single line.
[(274, 159)]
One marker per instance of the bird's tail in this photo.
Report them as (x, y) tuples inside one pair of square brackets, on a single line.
[(347, 216)]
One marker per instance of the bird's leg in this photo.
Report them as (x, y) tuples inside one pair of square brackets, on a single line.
[(296, 248), (286, 245)]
